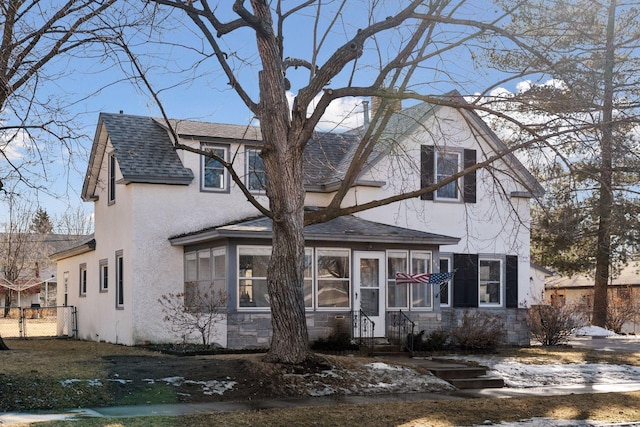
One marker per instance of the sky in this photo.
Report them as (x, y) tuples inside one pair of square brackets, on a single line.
[(198, 90)]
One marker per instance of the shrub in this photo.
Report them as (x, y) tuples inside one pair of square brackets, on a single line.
[(437, 340), (338, 341), (553, 324), (478, 331)]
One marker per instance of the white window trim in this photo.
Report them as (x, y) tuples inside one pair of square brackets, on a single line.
[(501, 284), (460, 156), (411, 257), (406, 306), (248, 171), (317, 280), (449, 283), (225, 176)]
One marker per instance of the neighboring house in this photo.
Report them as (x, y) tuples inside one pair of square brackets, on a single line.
[(37, 282), (169, 221), (623, 295), (539, 275)]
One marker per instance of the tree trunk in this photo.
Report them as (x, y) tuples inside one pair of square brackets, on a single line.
[(3, 346), (282, 156), (603, 254)]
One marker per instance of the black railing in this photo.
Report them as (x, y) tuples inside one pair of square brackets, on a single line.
[(363, 330), (402, 328)]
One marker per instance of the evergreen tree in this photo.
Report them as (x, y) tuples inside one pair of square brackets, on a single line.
[(41, 222)]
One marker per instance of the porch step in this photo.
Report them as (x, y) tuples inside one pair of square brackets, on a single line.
[(485, 381), (458, 372), (388, 350)]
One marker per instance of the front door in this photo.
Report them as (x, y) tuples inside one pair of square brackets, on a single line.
[(369, 288)]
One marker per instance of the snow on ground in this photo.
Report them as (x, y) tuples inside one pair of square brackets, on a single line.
[(593, 331)]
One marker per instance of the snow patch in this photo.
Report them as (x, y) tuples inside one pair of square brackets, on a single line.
[(594, 331)]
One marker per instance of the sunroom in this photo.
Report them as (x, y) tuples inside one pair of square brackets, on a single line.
[(350, 267)]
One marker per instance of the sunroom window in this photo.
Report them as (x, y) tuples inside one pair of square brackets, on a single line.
[(397, 294), (205, 278), (490, 291), (333, 278), (421, 292)]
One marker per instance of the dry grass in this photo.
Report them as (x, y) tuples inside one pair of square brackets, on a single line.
[(60, 359), (71, 359)]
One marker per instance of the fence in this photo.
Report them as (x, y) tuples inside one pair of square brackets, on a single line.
[(18, 322)]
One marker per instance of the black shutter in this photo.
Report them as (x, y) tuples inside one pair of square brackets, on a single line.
[(465, 280), (427, 169), (511, 282), (469, 179)]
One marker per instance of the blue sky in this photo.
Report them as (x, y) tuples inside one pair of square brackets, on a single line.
[(207, 96)]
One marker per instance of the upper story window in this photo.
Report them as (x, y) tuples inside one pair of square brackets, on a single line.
[(256, 178), (111, 186), (214, 176), (447, 164), (437, 165)]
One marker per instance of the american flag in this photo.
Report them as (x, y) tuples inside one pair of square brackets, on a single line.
[(431, 278)]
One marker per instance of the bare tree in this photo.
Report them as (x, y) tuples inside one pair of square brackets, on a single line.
[(344, 55), (38, 40), (195, 312)]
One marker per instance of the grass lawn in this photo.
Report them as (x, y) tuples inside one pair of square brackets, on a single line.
[(45, 363)]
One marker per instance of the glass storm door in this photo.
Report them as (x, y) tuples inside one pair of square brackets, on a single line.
[(369, 288)]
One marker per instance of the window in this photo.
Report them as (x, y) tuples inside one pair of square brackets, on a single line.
[(333, 281), (112, 179), (447, 164), (205, 276), (104, 275), (214, 174), (252, 276), (397, 294), (490, 291), (256, 178), (445, 288), (308, 277), (436, 166), (119, 280), (420, 292), (83, 280)]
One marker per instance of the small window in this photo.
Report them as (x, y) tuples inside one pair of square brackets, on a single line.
[(421, 292), (104, 275), (214, 174), (447, 164), (397, 294), (308, 277), (445, 288), (112, 179), (119, 280), (490, 292), (333, 279), (83, 280), (256, 178)]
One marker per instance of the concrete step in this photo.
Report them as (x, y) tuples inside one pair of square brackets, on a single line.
[(458, 372), (484, 381)]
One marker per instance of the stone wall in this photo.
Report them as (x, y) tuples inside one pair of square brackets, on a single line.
[(514, 320)]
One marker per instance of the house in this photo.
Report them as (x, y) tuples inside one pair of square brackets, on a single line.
[(169, 221), (623, 295)]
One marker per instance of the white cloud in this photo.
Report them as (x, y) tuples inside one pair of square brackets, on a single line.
[(342, 114)]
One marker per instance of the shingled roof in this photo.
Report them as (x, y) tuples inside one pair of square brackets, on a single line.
[(342, 229)]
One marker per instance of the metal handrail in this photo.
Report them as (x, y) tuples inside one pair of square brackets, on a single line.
[(364, 326), (404, 328)]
